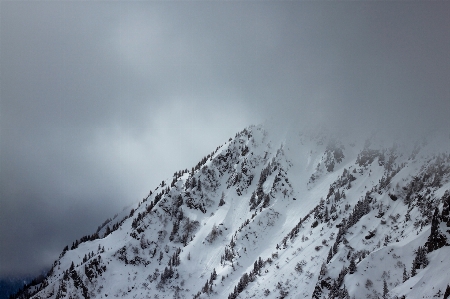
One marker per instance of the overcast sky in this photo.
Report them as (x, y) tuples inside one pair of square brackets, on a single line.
[(100, 101)]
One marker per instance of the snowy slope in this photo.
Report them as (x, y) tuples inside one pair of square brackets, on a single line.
[(298, 215)]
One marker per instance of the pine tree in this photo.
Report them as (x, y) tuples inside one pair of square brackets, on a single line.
[(222, 201), (335, 247), (352, 267), (199, 185), (205, 288), (266, 200), (421, 258), (323, 270), (344, 293), (330, 255), (413, 270), (213, 275), (447, 292), (405, 274), (385, 289), (445, 216), (327, 214), (436, 239), (337, 196), (341, 276)]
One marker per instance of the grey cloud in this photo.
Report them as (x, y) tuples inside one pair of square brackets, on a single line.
[(100, 101)]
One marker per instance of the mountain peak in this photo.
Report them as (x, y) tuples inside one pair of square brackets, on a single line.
[(306, 214)]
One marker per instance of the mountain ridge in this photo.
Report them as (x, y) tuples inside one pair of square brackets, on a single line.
[(295, 215)]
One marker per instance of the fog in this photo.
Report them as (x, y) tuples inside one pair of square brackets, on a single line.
[(100, 101)]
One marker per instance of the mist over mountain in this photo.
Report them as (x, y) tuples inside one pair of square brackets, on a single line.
[(99, 101), (300, 214)]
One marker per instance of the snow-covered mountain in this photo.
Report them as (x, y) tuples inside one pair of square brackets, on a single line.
[(302, 215)]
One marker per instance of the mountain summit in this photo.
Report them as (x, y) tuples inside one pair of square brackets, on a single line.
[(303, 215)]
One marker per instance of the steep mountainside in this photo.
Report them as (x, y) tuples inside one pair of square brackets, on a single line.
[(304, 215)]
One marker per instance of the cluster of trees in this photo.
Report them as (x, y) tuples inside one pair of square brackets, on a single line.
[(31, 288), (94, 268), (259, 196), (207, 288), (241, 179), (265, 172), (210, 181), (167, 274), (229, 253), (361, 208), (176, 176), (428, 179), (337, 289), (122, 255), (140, 216), (334, 154), (224, 161), (436, 169), (215, 232), (334, 195), (175, 258), (104, 224), (279, 183), (193, 184), (296, 229), (170, 271), (367, 156), (420, 260), (203, 161), (71, 273), (436, 239), (191, 203), (246, 278), (343, 181), (255, 201), (83, 239), (91, 254)]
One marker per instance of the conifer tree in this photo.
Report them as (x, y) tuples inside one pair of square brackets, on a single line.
[(420, 261), (335, 247), (222, 201), (352, 267), (447, 292), (436, 239), (327, 214), (445, 216), (344, 294), (213, 275), (405, 274), (323, 270), (413, 270), (385, 289), (330, 255)]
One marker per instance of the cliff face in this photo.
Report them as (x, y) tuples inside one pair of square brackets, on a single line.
[(307, 215)]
